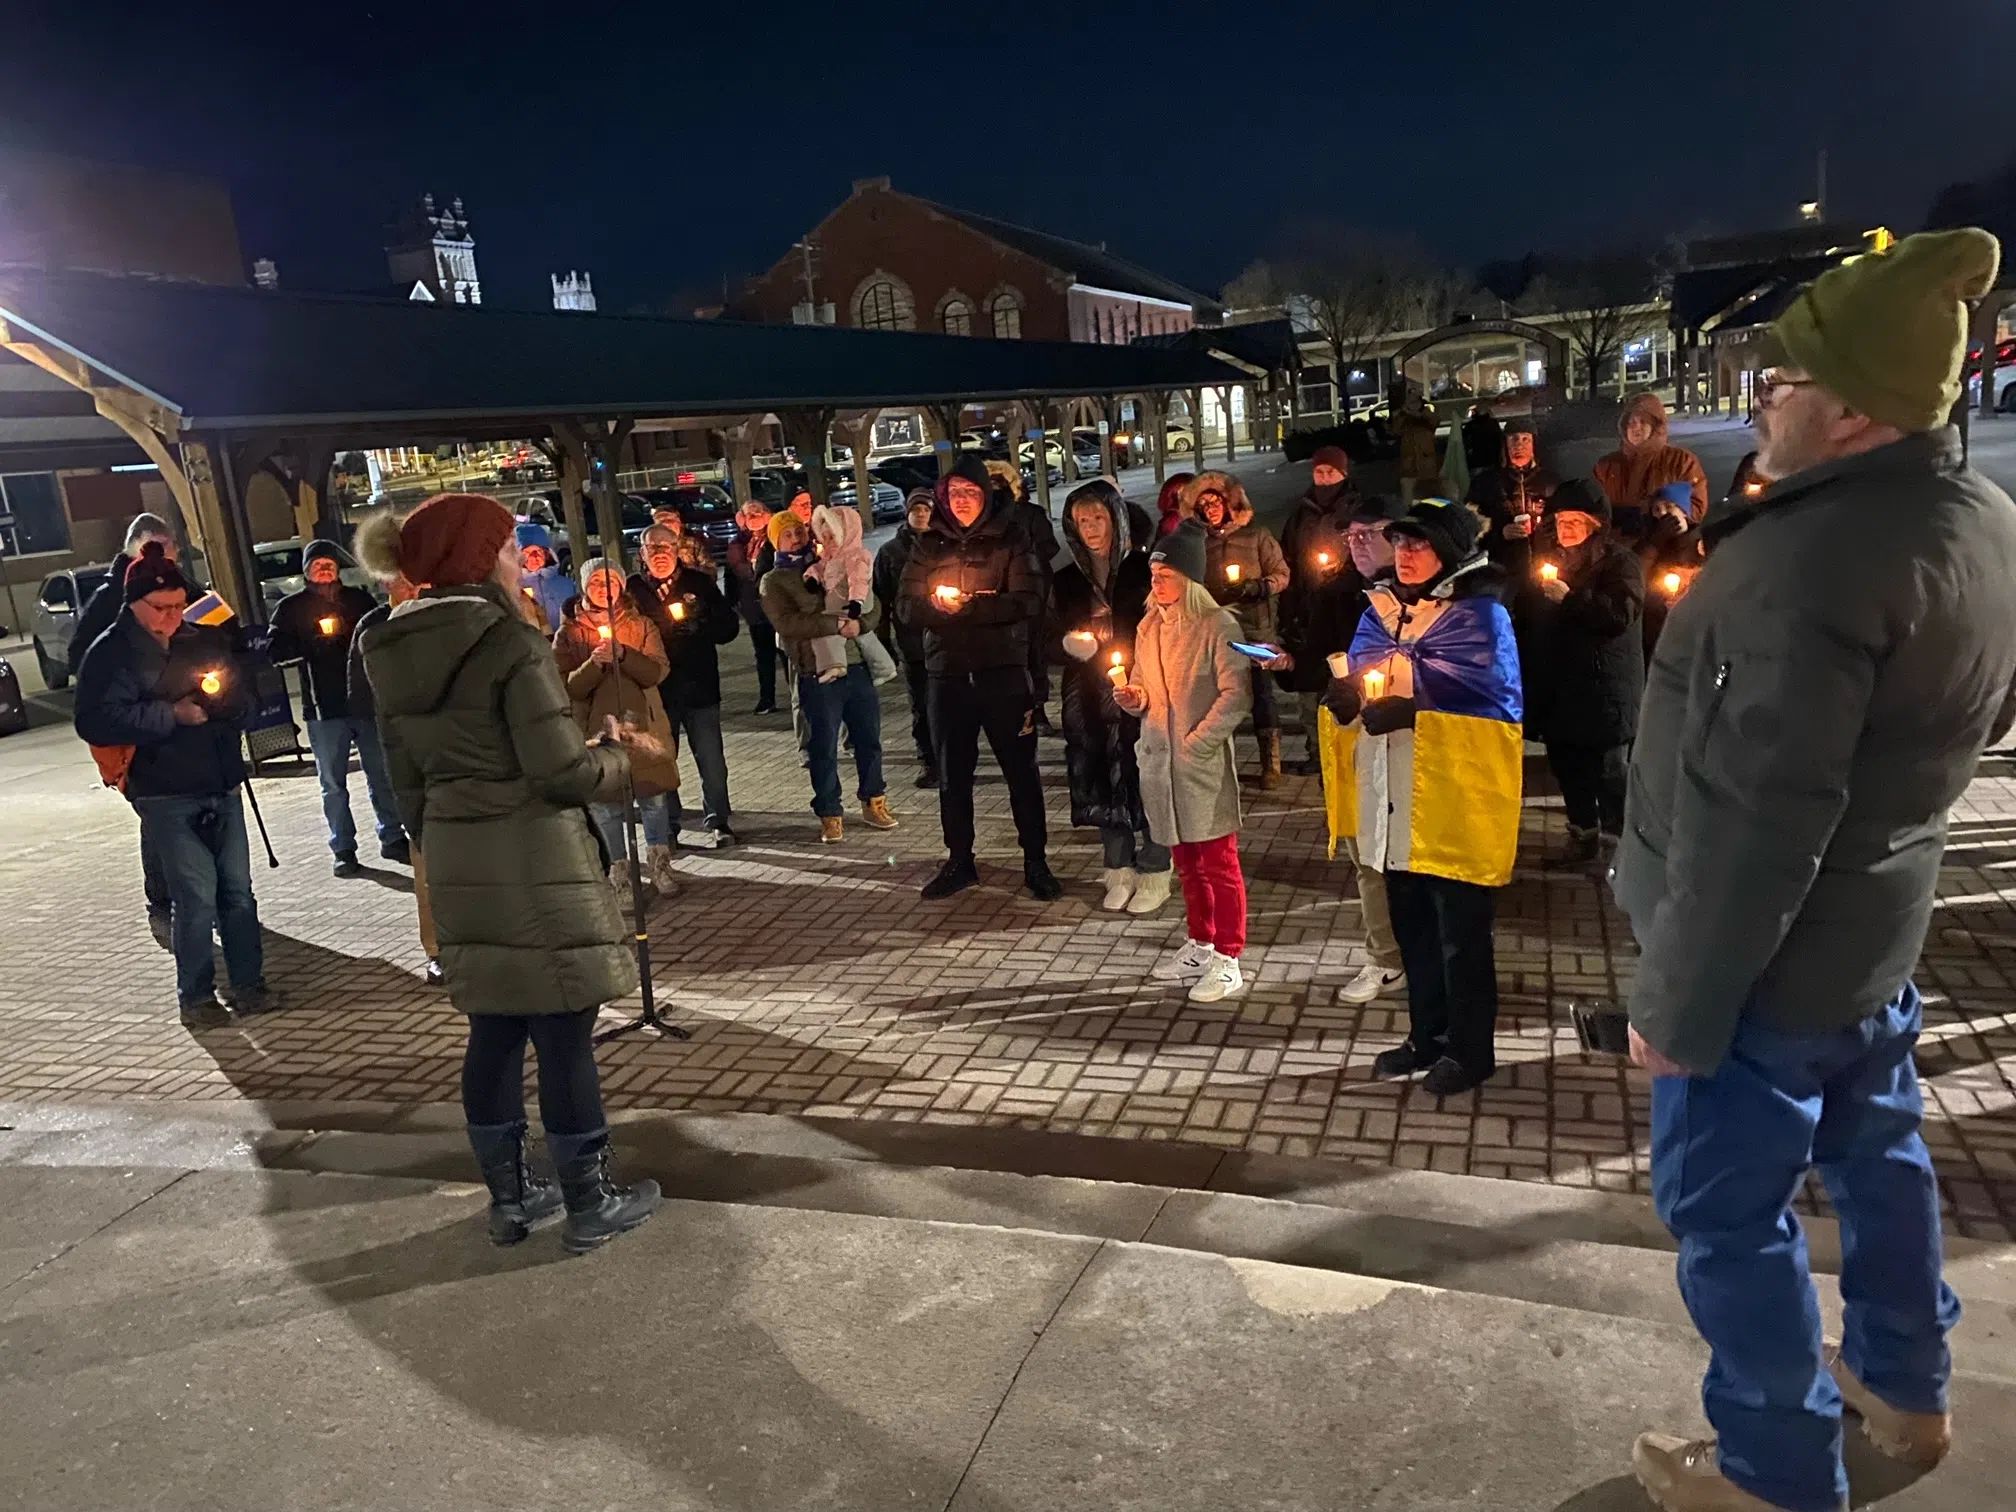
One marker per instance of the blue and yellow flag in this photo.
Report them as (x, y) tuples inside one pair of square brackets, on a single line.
[(207, 610)]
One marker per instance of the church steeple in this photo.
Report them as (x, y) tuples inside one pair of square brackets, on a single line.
[(431, 252)]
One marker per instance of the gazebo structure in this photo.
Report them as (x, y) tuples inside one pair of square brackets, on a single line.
[(1480, 359), (215, 384)]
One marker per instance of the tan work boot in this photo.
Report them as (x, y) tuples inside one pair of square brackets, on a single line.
[(832, 830), (1918, 1439), (875, 813), (658, 870), (1682, 1475), (1270, 760)]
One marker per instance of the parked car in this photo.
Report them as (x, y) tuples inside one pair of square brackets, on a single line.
[(908, 472), (886, 501), (1053, 452), (13, 707), (772, 488), (62, 598), (279, 566), (706, 512)]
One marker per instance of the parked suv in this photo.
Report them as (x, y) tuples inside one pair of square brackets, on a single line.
[(706, 511), (63, 597)]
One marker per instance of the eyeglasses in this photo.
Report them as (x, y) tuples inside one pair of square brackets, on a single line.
[(1770, 381), (1358, 535)]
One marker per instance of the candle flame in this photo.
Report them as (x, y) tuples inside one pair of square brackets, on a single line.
[(1374, 681), (1671, 582), (679, 611), (947, 592), (1322, 559), (1119, 660), (605, 632), (211, 682), (1549, 572)]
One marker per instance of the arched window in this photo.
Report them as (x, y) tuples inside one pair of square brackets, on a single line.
[(1005, 308), (955, 315), (883, 303)]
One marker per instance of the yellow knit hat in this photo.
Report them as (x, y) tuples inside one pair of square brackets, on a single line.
[(1888, 332)]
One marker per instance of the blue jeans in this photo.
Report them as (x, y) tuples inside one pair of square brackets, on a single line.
[(201, 847), (703, 744), (1729, 1154), (851, 701), (331, 739), (655, 813)]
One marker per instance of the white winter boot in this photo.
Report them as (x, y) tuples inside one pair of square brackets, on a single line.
[(1151, 891), (1120, 884)]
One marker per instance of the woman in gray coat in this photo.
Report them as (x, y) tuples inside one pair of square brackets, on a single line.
[(491, 769), (1190, 689)]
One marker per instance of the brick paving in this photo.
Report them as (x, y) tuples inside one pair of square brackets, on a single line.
[(817, 981)]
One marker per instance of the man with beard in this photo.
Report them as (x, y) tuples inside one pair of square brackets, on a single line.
[(1819, 699), (974, 588), (1511, 496)]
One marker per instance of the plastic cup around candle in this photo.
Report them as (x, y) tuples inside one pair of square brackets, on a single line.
[(1340, 663), (1231, 572), (328, 623), (1549, 572), (211, 682)]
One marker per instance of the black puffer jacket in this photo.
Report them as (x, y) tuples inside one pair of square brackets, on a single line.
[(994, 565), (1328, 612), (324, 658), (887, 582), (1098, 737), (706, 621), (99, 611), (1583, 659)]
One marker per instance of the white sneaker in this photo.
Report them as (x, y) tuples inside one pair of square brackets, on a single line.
[(1151, 891), (1120, 883), (1221, 979), (1187, 964), (1371, 982)]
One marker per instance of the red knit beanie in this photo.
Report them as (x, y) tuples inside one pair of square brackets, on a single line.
[(452, 540)]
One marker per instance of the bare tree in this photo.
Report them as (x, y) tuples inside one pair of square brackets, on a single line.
[(1353, 287), (1256, 294), (1598, 303)]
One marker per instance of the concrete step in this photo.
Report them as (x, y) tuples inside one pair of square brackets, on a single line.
[(1524, 1241)]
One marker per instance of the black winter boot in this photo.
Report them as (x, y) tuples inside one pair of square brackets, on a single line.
[(597, 1208), (519, 1200), (956, 875), (1040, 880)]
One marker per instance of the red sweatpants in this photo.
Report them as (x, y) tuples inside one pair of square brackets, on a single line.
[(1214, 891)]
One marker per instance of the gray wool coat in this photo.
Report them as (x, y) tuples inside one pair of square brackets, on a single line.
[(1198, 690)]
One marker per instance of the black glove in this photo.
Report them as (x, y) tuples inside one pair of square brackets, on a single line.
[(1342, 699), (853, 609), (1385, 715)]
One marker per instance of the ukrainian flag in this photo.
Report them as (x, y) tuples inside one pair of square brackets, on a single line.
[(207, 610), (1450, 788)]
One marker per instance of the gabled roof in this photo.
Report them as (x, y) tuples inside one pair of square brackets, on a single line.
[(1087, 265), (243, 359)]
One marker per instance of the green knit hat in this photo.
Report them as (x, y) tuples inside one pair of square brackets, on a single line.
[(1887, 332)]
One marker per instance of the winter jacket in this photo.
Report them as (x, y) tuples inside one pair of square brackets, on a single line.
[(1314, 546), (995, 565), (1329, 612), (1503, 493), (1420, 462), (550, 589), (103, 607), (745, 576), (493, 780), (907, 640), (126, 692), (324, 655), (363, 704), (1631, 479), (1820, 698), (1237, 540), (1437, 790), (1583, 659), (1483, 442), (625, 690), (797, 610), (1198, 690), (1107, 598), (706, 622)]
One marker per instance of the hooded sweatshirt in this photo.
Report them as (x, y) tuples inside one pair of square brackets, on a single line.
[(1632, 476), (993, 563)]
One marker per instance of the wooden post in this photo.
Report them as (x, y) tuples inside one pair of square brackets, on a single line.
[(1157, 406), (1109, 416), (1067, 410), (573, 475), (1040, 464), (807, 431), (224, 548), (1225, 412), (608, 502)]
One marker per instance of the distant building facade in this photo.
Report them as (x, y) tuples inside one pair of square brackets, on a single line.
[(574, 292), (433, 256), (884, 260)]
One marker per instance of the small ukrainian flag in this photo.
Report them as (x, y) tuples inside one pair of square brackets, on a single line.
[(207, 610)]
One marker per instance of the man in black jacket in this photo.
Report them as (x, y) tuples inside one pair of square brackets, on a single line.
[(679, 593), (93, 620), (1512, 495), (175, 696), (1313, 541), (313, 628), (974, 588), (1819, 700), (906, 642), (1583, 665)]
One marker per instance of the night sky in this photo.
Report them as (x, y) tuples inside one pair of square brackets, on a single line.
[(665, 146)]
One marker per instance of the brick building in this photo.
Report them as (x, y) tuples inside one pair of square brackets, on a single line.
[(891, 261)]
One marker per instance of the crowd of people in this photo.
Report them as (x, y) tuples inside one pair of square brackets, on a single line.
[(1768, 802)]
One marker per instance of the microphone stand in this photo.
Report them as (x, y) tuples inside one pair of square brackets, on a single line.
[(640, 932)]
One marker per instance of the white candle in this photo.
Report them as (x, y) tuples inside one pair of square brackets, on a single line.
[(1231, 572), (1375, 681), (1549, 572)]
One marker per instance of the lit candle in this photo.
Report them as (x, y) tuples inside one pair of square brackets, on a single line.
[(1549, 572), (1670, 582), (1753, 488), (1118, 671), (678, 609), (1322, 559), (328, 622), (1231, 572), (211, 682), (605, 632), (947, 594), (1375, 683)]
